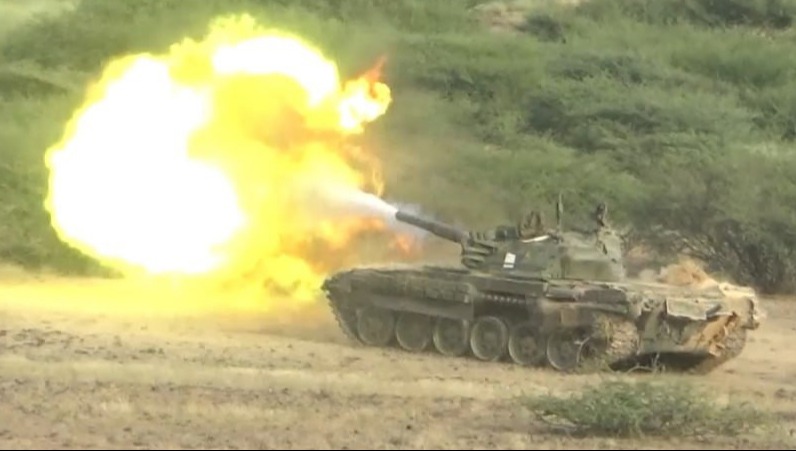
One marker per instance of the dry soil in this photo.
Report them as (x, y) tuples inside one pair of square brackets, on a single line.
[(99, 365)]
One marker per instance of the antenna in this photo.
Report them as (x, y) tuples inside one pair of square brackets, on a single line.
[(559, 211), (601, 213)]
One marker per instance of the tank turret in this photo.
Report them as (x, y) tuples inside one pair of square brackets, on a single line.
[(594, 254)]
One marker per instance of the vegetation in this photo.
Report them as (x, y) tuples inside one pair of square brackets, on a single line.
[(679, 113), (627, 409)]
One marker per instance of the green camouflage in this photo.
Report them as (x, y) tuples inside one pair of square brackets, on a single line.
[(535, 297)]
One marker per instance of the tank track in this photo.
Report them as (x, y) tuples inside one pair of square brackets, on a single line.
[(621, 341), (622, 345), (612, 342), (733, 346), (686, 363), (346, 320), (625, 342), (609, 343)]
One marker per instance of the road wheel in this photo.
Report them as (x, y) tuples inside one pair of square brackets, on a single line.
[(489, 338), (564, 349), (413, 331), (451, 336), (375, 326), (525, 345)]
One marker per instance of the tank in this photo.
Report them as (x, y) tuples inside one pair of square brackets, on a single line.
[(535, 297)]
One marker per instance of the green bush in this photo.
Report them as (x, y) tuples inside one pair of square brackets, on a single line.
[(626, 409), (678, 113), (776, 14)]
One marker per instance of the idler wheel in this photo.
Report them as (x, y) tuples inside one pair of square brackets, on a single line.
[(564, 349), (525, 346), (489, 338), (451, 336), (375, 326), (413, 331)]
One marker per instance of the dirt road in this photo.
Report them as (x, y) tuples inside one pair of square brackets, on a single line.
[(81, 367)]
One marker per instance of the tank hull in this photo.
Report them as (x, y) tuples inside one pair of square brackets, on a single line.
[(568, 325)]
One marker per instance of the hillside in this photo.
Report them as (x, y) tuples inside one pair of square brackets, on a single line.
[(678, 113)]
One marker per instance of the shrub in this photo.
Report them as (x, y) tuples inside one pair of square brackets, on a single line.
[(625, 409), (776, 14), (677, 113)]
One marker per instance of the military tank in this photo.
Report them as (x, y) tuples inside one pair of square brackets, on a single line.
[(538, 297)]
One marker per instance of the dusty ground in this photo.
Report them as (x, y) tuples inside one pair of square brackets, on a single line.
[(84, 365)]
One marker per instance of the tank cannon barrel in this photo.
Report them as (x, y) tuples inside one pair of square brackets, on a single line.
[(439, 229)]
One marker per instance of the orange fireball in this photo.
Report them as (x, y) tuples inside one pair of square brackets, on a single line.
[(214, 159)]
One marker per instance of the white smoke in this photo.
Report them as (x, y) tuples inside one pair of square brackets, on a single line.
[(346, 202), (352, 201)]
